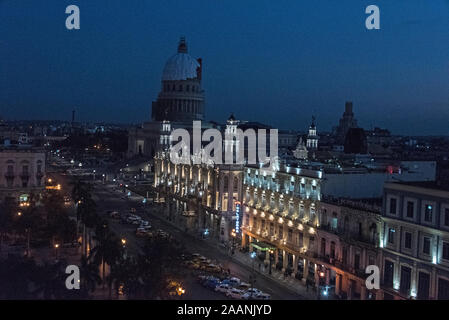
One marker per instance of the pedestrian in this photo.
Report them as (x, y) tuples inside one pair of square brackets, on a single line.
[(307, 285), (259, 266)]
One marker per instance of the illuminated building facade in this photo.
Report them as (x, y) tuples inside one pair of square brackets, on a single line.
[(280, 207), (22, 172), (415, 240), (348, 241)]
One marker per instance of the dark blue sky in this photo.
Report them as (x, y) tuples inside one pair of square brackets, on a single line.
[(272, 61)]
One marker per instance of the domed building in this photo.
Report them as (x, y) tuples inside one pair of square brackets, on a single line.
[(179, 103), (181, 97)]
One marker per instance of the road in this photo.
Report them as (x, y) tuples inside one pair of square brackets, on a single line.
[(110, 197)]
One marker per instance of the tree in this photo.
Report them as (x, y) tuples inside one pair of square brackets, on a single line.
[(89, 274), (108, 249)]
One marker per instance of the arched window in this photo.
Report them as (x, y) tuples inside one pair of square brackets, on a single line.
[(236, 184)]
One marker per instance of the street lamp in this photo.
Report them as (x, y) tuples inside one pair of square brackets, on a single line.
[(56, 250), (123, 242), (19, 213), (271, 259), (180, 291), (233, 234)]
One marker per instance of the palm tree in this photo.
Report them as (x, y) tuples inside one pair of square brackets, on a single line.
[(89, 276), (108, 249), (50, 281)]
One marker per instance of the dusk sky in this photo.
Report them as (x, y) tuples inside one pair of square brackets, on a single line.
[(277, 62)]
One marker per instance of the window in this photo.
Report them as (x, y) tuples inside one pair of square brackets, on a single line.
[(281, 232), (410, 209), (391, 232), (393, 203), (323, 247), (446, 250), (405, 280), (300, 239), (426, 245), (446, 217), (428, 210), (290, 235), (423, 286), (408, 240), (443, 289), (333, 250), (388, 273)]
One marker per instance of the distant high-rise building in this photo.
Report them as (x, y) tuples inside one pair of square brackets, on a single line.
[(347, 121)]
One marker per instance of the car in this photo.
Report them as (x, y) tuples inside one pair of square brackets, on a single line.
[(251, 293), (144, 223), (223, 288), (235, 293), (114, 215), (141, 232), (212, 268), (133, 210), (243, 286), (262, 296), (234, 281), (147, 228), (211, 283)]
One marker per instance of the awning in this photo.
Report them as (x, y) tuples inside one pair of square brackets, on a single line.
[(262, 246)]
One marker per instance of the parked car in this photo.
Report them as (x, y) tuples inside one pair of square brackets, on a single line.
[(211, 283), (251, 293), (263, 296), (223, 288), (243, 286), (142, 232), (212, 268), (114, 215), (235, 293), (234, 281), (144, 223)]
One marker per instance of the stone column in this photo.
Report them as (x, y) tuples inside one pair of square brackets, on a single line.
[(337, 284), (276, 257), (284, 260), (244, 239), (305, 272), (295, 264)]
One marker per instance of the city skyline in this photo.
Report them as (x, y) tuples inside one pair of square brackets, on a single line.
[(309, 62)]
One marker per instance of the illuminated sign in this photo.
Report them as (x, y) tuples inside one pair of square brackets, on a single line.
[(237, 217)]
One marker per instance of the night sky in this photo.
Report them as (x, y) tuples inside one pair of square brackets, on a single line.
[(277, 62)]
